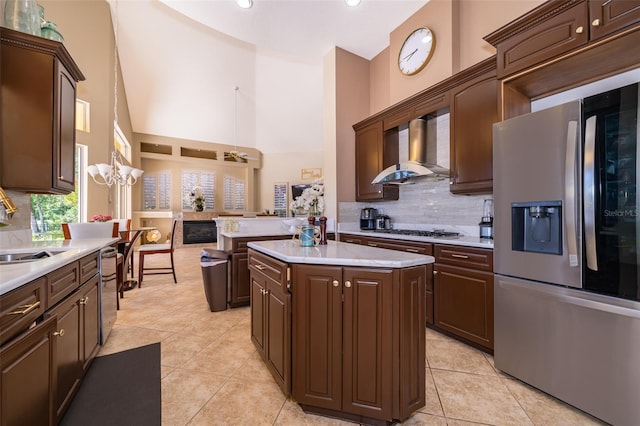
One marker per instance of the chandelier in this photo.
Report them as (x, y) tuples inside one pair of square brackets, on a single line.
[(116, 172)]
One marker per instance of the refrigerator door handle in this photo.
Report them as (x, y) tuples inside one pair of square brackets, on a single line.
[(589, 194), (570, 193)]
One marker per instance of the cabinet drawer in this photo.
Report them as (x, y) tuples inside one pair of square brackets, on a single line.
[(353, 239), (88, 267), (273, 270), (400, 245), (62, 282), (20, 307), (468, 257), (239, 245)]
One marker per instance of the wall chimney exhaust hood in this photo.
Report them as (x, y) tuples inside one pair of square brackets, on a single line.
[(417, 156)]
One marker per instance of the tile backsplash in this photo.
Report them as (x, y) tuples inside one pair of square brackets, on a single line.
[(423, 203)]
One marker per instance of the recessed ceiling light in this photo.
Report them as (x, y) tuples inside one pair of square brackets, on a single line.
[(352, 3), (245, 4)]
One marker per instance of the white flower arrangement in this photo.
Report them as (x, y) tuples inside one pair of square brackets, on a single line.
[(196, 197), (311, 199)]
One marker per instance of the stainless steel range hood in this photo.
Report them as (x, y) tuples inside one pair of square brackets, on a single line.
[(418, 155)]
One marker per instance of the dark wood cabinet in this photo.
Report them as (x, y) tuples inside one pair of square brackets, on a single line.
[(402, 245), (37, 114), (271, 316), (557, 28), (463, 293), (609, 16), (370, 161), (355, 346), (239, 279), (42, 366), (78, 334), (28, 377), (474, 109)]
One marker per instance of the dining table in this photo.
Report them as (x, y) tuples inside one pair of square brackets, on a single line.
[(135, 234)]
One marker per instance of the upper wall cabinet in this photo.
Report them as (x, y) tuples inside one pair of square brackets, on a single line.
[(558, 27), (371, 160), (474, 109), (37, 114)]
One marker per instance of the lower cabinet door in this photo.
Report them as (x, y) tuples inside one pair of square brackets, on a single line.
[(257, 313), (68, 351), (240, 288), (464, 303), (278, 329), (90, 311), (317, 336), (28, 377), (368, 342)]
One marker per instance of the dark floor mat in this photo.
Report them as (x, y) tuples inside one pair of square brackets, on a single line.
[(120, 389)]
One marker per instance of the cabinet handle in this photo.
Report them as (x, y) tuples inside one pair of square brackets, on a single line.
[(372, 244), (263, 291), (84, 300), (26, 309), (336, 283), (347, 284), (260, 267), (460, 256), (413, 250), (579, 30), (59, 333), (595, 22)]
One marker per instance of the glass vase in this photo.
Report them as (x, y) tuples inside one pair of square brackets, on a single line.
[(22, 15)]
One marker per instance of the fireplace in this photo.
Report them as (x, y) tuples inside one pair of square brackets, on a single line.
[(199, 231)]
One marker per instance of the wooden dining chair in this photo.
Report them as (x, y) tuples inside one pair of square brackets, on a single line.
[(124, 229), (149, 249)]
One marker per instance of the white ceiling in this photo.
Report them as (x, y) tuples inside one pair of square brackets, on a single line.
[(179, 74), (307, 28)]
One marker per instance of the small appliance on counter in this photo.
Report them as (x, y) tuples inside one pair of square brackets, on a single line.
[(383, 222), (486, 223), (368, 218)]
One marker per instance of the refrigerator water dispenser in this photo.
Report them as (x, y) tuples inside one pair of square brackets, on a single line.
[(537, 227)]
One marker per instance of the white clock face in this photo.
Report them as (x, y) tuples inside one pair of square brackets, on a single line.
[(416, 51)]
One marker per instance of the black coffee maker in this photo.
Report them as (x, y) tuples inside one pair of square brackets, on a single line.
[(368, 218)]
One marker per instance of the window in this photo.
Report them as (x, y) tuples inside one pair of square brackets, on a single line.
[(206, 180), (233, 193), (49, 211), (281, 199), (121, 143), (156, 191)]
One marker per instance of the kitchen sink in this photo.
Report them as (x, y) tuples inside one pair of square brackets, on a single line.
[(11, 258)]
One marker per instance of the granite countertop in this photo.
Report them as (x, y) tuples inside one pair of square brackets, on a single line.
[(462, 240), (65, 251), (341, 254)]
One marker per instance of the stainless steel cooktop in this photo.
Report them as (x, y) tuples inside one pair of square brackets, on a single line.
[(436, 233)]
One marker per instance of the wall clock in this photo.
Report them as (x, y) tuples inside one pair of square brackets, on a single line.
[(416, 51)]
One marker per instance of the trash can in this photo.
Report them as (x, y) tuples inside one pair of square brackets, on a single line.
[(214, 265)]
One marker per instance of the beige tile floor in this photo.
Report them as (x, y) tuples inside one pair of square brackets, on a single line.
[(212, 375)]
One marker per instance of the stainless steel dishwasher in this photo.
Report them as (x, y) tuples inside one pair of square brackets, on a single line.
[(108, 291)]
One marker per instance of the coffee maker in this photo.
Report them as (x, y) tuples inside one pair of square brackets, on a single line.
[(368, 218), (486, 223)]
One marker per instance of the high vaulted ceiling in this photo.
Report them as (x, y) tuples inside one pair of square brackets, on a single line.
[(181, 59)]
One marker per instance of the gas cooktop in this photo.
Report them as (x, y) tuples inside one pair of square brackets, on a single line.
[(436, 233)]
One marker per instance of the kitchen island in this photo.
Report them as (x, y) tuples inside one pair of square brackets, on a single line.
[(341, 326)]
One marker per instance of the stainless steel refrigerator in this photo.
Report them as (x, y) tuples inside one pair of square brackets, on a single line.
[(567, 240)]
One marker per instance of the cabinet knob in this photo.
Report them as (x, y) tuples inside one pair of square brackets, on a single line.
[(263, 291), (336, 283), (347, 284), (59, 333), (579, 30), (84, 300), (61, 177), (435, 272), (595, 22)]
